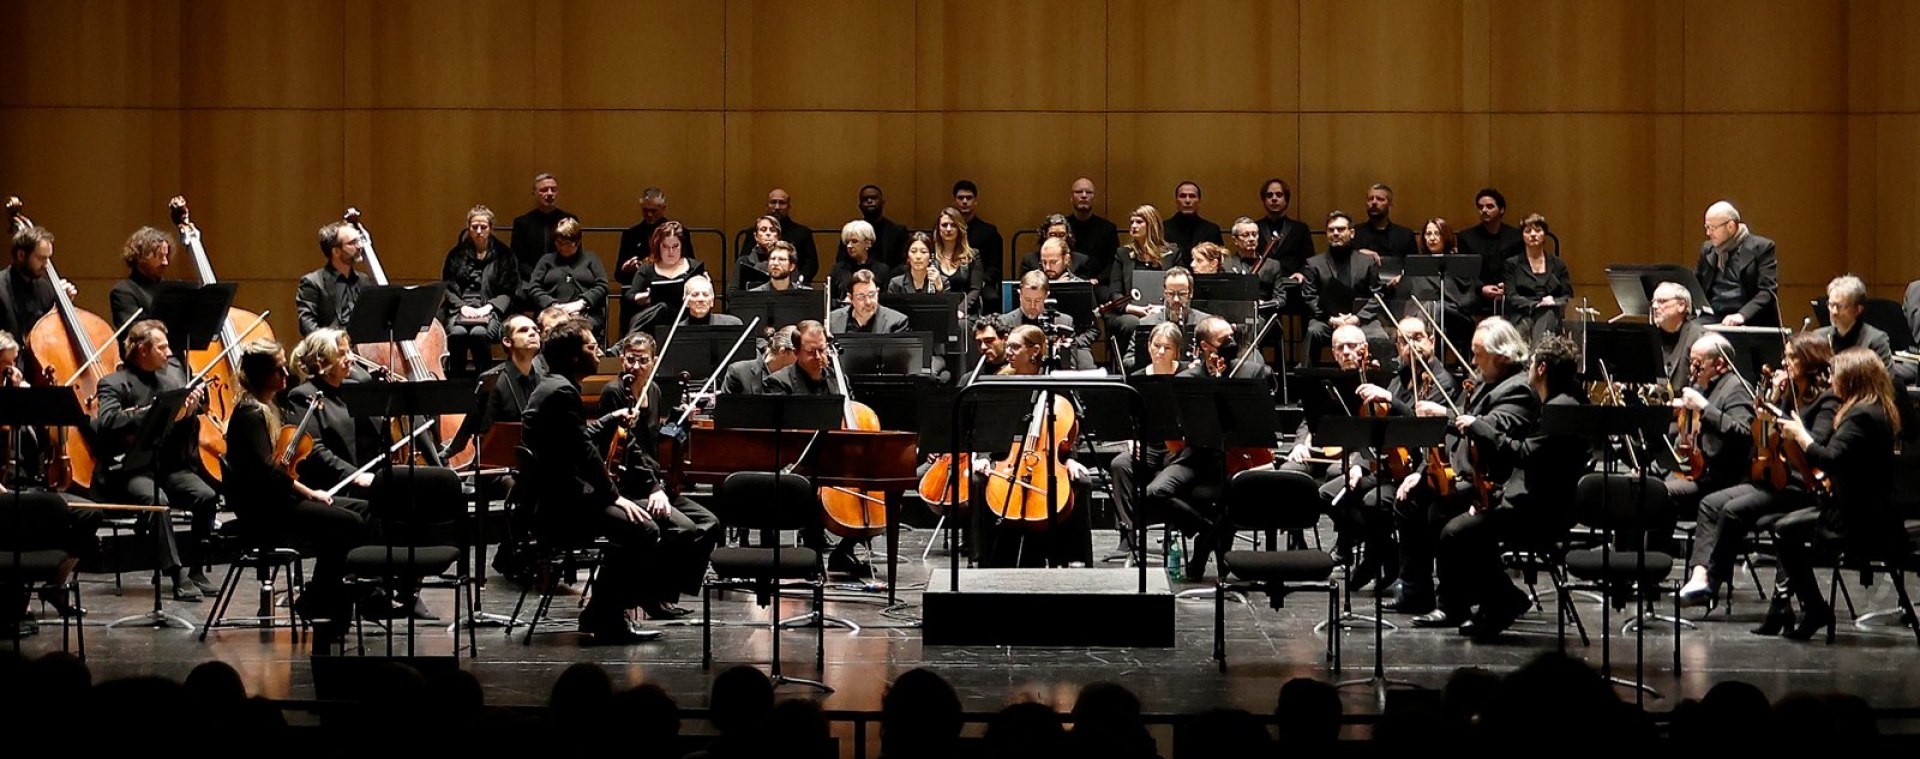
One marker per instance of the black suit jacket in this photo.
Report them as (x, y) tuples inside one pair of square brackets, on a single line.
[(1726, 433), (885, 321), (569, 476), (1335, 287), (1504, 412), (1911, 305), (122, 395), (1676, 356), (1548, 466), (1289, 241), (800, 236), (315, 303), (1864, 336), (1858, 459), (132, 295), (745, 377), (1754, 261), (11, 319), (985, 238)]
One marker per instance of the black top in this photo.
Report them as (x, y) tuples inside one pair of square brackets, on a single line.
[(1340, 281), (1525, 289), (903, 283), (1494, 249), (1676, 348), (471, 281), (1746, 283), (1726, 433), (501, 393), (884, 321), (641, 472), (1462, 289), (1185, 230), (1394, 242), (123, 396), (750, 269), (341, 443), (1099, 239), (569, 468), (249, 466), (633, 244), (533, 237), (1864, 336), (712, 319), (1289, 241), (1549, 467), (1407, 393), (844, 268), (135, 293), (1270, 275), (23, 300), (968, 279), (889, 243), (985, 238), (800, 236), (1504, 412), (644, 277), (557, 280), (745, 377), (1859, 461), (325, 298), (794, 381)]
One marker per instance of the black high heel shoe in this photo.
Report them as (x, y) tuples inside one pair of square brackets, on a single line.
[(1779, 617), (1811, 623)]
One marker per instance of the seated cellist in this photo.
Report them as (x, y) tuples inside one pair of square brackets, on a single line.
[(1000, 541)]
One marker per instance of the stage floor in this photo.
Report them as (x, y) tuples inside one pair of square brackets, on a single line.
[(1266, 647)]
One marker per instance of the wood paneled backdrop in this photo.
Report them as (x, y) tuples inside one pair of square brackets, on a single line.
[(1621, 120)]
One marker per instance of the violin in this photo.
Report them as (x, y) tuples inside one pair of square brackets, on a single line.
[(1777, 459), (1398, 462), (294, 444), (219, 375), (1686, 446), (1482, 487)]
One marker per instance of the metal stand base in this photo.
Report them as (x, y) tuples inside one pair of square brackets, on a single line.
[(1349, 619), (779, 680), (1641, 687), (1633, 624), (817, 619), (1379, 684), (158, 618)]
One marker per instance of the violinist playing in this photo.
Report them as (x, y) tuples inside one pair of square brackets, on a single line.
[(575, 499), (1728, 514), (23, 468), (1004, 543), (1718, 408), (1530, 509), (277, 504), (1502, 408), (687, 530), (1358, 515), (342, 443), (126, 397)]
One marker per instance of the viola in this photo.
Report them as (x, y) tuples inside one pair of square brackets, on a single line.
[(78, 347), (1686, 448), (219, 375)]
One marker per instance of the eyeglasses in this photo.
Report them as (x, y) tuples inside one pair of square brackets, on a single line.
[(875, 295), (1178, 293)]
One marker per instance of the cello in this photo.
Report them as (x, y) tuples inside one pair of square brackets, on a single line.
[(407, 359), (75, 349), (947, 484), (1031, 486), (219, 374), (851, 513)]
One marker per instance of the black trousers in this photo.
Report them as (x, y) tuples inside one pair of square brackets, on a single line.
[(1125, 472), (328, 531), (687, 534), (1798, 537), (178, 489), (1468, 553), (1420, 519), (1006, 543), (1725, 518), (470, 346)]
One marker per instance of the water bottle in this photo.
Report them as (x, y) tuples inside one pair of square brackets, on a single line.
[(1176, 560)]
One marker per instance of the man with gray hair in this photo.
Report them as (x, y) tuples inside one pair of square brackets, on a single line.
[(1672, 312), (533, 230), (633, 241), (1846, 301), (1739, 270), (1725, 429)]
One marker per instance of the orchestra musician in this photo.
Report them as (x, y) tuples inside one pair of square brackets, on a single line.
[(125, 399), (1339, 282), (327, 295), (863, 312), (686, 531), (146, 253), (857, 238), (990, 344), (1725, 409), (1454, 297), (1032, 309), (1351, 353), (1739, 269), (1054, 227), (342, 443), (1727, 515), (806, 256), (1531, 508), (1207, 258), (502, 392), (576, 500), (278, 504), (1004, 543), (1166, 350), (754, 267), (482, 279), (1858, 457), (1177, 294), (1502, 406), (26, 292), (780, 275), (810, 374), (700, 313), (1846, 301), (749, 376), (23, 452), (1672, 312)]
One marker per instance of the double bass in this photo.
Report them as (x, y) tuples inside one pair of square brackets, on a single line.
[(219, 374), (408, 359), (74, 348), (852, 513)]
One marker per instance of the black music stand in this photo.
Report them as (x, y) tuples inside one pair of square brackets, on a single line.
[(1650, 276), (193, 316), (776, 309), (396, 313), (46, 407), (1149, 287), (1753, 348), (894, 354), (667, 292), (166, 411), (698, 349), (784, 413), (1630, 351), (1376, 434), (1600, 424), (1441, 269), (1223, 413), (1075, 299), (1226, 287), (934, 313)]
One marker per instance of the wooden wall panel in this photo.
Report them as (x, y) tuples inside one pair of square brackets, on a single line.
[(1168, 148), (1354, 57), (1434, 163), (1883, 63), (101, 53), (1171, 56), (91, 176), (239, 54), (1594, 177), (821, 159), (1010, 55), (1780, 56), (849, 55), (1585, 55), (1052, 150), (619, 54), (1885, 219), (429, 168), (1796, 195), (454, 54), (606, 158)]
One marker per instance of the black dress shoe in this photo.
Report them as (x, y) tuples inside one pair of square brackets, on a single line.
[(1436, 618), (1779, 617), (1496, 616), (665, 610), (845, 564), (1410, 602), (618, 633), (1811, 623)]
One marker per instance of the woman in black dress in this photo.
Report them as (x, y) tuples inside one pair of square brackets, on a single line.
[(481, 278), (666, 264), (571, 277), (956, 259), (1538, 285)]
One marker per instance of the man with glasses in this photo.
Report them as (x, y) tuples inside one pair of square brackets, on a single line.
[(1177, 291), (1739, 270), (863, 312), (1672, 311), (1725, 436)]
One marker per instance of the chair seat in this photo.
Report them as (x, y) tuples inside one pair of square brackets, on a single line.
[(758, 563), (416, 561), (33, 564), (1618, 565), (1279, 566)]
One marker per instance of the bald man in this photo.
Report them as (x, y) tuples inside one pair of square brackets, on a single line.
[(1739, 270), (800, 236)]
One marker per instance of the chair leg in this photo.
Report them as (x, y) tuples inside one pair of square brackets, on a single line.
[(79, 627), (218, 611), (1837, 588), (1220, 625), (1899, 589), (706, 625), (518, 605), (1333, 622), (820, 630)]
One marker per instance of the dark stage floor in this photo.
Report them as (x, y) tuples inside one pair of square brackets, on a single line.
[(1266, 648)]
